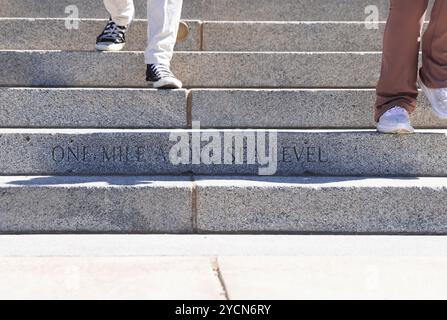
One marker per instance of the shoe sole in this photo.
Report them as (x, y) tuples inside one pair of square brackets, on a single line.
[(436, 111), (400, 129), (169, 83), (109, 47)]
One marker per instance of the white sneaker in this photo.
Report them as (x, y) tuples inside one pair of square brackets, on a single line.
[(437, 98), (395, 120)]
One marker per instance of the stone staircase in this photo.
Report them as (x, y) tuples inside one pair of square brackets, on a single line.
[(84, 144)]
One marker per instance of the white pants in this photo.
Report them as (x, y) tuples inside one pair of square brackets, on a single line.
[(163, 22)]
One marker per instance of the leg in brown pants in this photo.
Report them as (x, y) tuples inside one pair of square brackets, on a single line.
[(397, 84)]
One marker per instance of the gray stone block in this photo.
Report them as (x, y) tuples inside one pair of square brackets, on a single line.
[(321, 205), (92, 108), (142, 204), (230, 108), (53, 34), (147, 152), (46, 34), (232, 10), (95, 204), (195, 69), (292, 36), (295, 108)]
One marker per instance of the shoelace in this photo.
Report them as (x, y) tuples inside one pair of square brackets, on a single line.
[(161, 71), (112, 31)]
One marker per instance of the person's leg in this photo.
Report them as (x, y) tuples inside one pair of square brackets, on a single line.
[(163, 24), (121, 11), (397, 84), (113, 37), (434, 67), (433, 74)]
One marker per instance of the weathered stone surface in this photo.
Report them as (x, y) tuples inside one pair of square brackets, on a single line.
[(322, 205), (146, 151), (292, 36), (232, 10), (46, 34), (95, 204), (348, 205), (88, 151), (106, 200), (113, 278), (229, 108), (295, 108), (195, 69), (53, 34), (93, 108)]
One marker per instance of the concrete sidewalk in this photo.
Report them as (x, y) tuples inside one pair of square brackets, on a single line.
[(222, 267)]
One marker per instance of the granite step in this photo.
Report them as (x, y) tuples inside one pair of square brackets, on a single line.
[(340, 205), (195, 69), (213, 108), (95, 204), (233, 10), (285, 152), (46, 34), (295, 108), (92, 108), (204, 204), (78, 35), (292, 36)]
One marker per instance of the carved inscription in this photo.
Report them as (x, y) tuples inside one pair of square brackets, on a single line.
[(104, 154), (135, 154), (309, 154)]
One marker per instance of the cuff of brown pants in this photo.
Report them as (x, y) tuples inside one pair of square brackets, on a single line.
[(380, 110)]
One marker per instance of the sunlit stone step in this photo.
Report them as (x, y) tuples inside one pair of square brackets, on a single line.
[(295, 108), (92, 108), (213, 108), (46, 34), (322, 205), (95, 204), (61, 34), (261, 10), (195, 69), (292, 36), (221, 152), (206, 204)]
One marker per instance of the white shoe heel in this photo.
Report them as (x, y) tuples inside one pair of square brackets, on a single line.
[(437, 99), (395, 121)]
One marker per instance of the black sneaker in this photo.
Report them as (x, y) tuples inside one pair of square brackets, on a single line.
[(162, 77), (113, 38)]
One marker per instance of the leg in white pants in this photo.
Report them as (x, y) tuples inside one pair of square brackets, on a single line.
[(121, 11), (164, 19), (163, 22)]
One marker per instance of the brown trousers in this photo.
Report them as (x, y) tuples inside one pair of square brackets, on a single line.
[(397, 84)]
